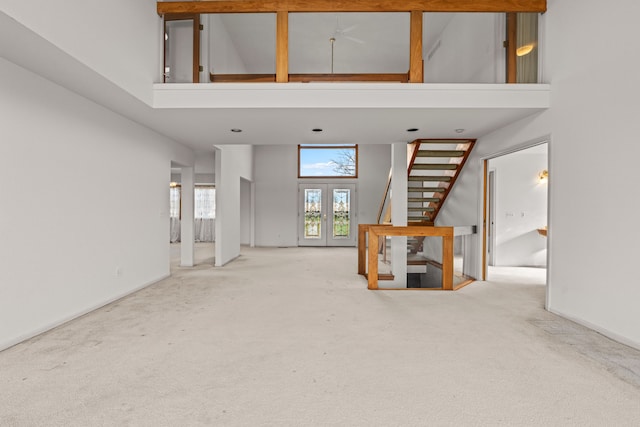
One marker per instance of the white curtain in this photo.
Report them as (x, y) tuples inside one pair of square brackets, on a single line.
[(204, 229), (174, 234), (527, 64)]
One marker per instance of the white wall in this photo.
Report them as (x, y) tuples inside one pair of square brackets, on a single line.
[(123, 47), (233, 162), (85, 196), (223, 56), (521, 208), (594, 118), (276, 195), (592, 251), (245, 212), (276, 180), (469, 50)]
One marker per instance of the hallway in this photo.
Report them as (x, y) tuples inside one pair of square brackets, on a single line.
[(291, 337)]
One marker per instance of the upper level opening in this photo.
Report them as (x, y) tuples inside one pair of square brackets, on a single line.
[(240, 41)]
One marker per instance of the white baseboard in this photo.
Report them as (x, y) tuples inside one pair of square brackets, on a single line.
[(33, 333), (607, 333)]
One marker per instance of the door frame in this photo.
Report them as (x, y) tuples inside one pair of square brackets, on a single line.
[(196, 43), (484, 208)]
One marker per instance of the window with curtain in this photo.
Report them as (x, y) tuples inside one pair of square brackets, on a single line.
[(174, 201), (205, 202), (527, 48), (204, 212)]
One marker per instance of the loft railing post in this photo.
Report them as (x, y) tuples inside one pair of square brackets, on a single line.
[(282, 47), (447, 260), (362, 248), (372, 277), (416, 66)]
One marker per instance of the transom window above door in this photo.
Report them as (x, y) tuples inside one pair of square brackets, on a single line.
[(327, 161)]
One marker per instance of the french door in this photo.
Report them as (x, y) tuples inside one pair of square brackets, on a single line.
[(326, 215)]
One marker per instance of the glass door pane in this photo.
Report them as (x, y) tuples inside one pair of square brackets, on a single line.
[(313, 213), (341, 213), (341, 220)]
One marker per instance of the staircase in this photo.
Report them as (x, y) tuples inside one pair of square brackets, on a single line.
[(434, 165)]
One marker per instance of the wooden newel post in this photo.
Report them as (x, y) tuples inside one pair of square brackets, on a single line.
[(447, 262), (362, 248), (372, 278)]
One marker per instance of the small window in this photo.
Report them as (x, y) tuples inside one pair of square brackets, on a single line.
[(328, 161)]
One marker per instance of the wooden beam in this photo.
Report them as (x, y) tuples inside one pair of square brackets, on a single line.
[(416, 65), (256, 6), (282, 47)]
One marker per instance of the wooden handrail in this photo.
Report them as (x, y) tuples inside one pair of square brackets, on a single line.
[(307, 78), (255, 6), (384, 197), (411, 158), (450, 184)]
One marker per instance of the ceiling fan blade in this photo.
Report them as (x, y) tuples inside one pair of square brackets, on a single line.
[(348, 29), (353, 39)]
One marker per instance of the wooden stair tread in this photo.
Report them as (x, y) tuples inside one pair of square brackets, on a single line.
[(444, 141), (437, 178), (421, 209), (423, 200), (427, 189), (440, 153), (435, 166)]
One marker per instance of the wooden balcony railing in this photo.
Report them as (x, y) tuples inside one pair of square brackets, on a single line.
[(307, 78), (368, 254)]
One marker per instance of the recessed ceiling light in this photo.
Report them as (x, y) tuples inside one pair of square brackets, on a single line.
[(316, 130), (236, 130), (459, 130), (412, 130)]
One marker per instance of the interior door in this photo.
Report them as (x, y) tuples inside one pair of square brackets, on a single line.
[(326, 215), (491, 238), (182, 49)]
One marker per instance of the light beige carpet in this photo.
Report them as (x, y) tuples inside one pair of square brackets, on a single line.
[(291, 337)]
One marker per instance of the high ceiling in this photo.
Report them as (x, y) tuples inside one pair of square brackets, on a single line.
[(201, 116)]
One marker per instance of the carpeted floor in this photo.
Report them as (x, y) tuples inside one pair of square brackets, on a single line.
[(291, 337)]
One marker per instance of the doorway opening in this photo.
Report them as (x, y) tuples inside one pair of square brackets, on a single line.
[(515, 216)]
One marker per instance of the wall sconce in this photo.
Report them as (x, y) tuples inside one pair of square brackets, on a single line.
[(173, 184), (543, 176), (525, 50)]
